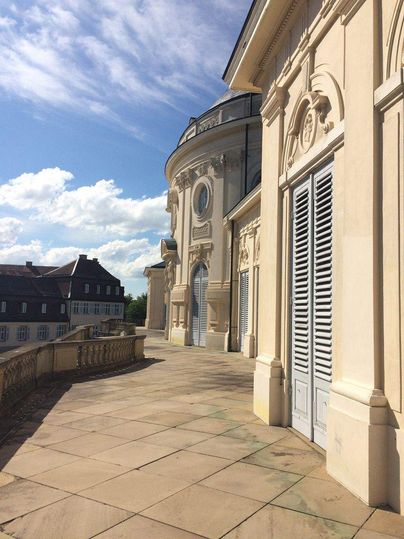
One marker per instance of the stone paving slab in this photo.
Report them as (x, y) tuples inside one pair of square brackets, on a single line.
[(170, 449)]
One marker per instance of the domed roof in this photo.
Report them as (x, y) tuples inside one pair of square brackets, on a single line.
[(229, 94)]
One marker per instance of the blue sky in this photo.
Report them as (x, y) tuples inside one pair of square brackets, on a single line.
[(92, 102)]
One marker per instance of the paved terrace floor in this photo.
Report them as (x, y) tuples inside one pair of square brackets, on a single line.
[(171, 451)]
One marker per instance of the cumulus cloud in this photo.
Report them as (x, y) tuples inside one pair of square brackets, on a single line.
[(99, 207), (124, 259), (10, 229), (119, 58)]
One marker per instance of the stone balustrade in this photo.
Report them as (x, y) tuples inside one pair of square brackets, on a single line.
[(25, 368)]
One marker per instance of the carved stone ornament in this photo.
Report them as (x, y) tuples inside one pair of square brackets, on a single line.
[(257, 250), (185, 179), (200, 253), (202, 169), (243, 254), (204, 231), (218, 163), (169, 274), (314, 115)]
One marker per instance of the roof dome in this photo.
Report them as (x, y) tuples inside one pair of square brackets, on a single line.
[(229, 94)]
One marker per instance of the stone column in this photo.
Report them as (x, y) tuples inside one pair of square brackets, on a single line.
[(268, 371)]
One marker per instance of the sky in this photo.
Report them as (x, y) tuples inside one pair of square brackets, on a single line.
[(94, 95)]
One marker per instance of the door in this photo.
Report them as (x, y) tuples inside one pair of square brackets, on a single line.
[(199, 305), (312, 304), (244, 283)]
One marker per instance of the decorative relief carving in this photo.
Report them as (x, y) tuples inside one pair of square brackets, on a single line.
[(257, 250), (201, 253), (204, 231), (243, 253), (208, 123), (185, 179), (218, 163), (314, 116), (202, 169)]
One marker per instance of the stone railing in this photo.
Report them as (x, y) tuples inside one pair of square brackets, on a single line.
[(25, 368), (113, 326)]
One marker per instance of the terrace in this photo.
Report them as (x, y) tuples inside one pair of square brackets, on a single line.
[(168, 447)]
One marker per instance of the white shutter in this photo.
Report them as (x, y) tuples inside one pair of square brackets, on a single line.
[(199, 305), (322, 316), (312, 305), (244, 289), (203, 322), (301, 310)]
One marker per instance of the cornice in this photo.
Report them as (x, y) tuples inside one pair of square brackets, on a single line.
[(274, 103), (390, 92)]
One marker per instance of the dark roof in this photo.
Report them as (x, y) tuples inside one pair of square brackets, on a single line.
[(65, 271), (227, 96), (159, 265), (239, 38), (27, 270), (19, 286), (85, 268)]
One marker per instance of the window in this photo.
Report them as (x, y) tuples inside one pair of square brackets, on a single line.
[(23, 307), (62, 308), (75, 307), (60, 330), (43, 308), (43, 333), (117, 290), (96, 308), (117, 308), (108, 290), (3, 306), (23, 333), (3, 333), (86, 288), (85, 307), (107, 308), (98, 289)]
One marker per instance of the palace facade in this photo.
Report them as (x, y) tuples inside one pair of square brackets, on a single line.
[(330, 354), (287, 229)]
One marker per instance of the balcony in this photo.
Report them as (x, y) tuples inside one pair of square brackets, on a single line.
[(244, 106)]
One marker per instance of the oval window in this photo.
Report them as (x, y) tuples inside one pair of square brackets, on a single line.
[(203, 199)]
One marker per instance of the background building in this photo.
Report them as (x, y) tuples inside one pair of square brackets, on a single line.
[(212, 259), (40, 303), (330, 354), (156, 309)]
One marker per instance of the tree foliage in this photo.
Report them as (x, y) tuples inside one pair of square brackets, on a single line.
[(136, 309)]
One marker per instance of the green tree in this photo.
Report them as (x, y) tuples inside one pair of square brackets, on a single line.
[(136, 310)]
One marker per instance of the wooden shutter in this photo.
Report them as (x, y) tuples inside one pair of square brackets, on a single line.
[(203, 322), (322, 303), (199, 305), (312, 304), (301, 310), (244, 288)]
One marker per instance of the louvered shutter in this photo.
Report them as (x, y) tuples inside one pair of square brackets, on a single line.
[(196, 292), (244, 287), (301, 310), (203, 322), (199, 305), (322, 315), (312, 305)]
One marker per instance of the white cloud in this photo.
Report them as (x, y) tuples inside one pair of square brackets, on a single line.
[(124, 259), (10, 229), (98, 207), (115, 60), (34, 190)]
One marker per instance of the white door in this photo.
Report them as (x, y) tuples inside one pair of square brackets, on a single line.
[(244, 285), (312, 306), (199, 305)]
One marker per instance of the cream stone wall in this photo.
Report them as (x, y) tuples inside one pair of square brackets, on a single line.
[(332, 77), (155, 317)]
